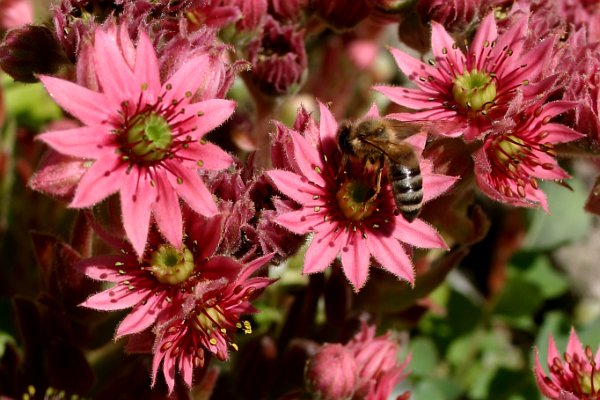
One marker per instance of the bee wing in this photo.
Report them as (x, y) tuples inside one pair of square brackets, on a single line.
[(398, 152), (404, 129)]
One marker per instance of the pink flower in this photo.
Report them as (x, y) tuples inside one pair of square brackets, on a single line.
[(377, 357), (15, 13), (366, 367), (278, 58), (144, 137), (509, 164), (324, 194), (575, 377), (473, 90), (158, 282), (332, 373), (209, 318)]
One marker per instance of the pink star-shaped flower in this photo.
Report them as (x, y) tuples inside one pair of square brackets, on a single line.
[(469, 91), (317, 185), (144, 136)]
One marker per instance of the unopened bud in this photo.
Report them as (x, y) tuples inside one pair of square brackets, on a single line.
[(332, 373), (30, 50)]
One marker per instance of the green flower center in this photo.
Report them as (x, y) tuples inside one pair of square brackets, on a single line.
[(589, 382), (474, 90), (509, 150), (172, 266), (356, 200), (148, 137)]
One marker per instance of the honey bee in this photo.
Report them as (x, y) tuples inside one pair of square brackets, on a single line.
[(378, 141)]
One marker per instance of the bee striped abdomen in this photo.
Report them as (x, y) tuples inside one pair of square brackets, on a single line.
[(407, 186)]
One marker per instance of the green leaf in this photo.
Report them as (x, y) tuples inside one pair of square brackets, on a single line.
[(567, 222), (519, 298), (424, 356), (30, 104), (551, 283)]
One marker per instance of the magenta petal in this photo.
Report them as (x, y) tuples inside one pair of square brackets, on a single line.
[(102, 179), (167, 211), (118, 297), (574, 345), (540, 378), (206, 156), (413, 68), (206, 115), (355, 260), (101, 268), (486, 33), (299, 221), (434, 185), (390, 254), (88, 106), (537, 61), (140, 317), (328, 127), (412, 98), (555, 108), (114, 74), (180, 83), (444, 47), (308, 159), (558, 133), (192, 190), (146, 67), (418, 234), (323, 249), (208, 232), (136, 200), (292, 186), (513, 38), (85, 142)]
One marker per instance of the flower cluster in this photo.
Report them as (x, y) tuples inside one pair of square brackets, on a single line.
[(366, 367), (208, 148)]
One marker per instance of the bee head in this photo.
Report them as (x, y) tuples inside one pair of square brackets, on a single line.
[(370, 128)]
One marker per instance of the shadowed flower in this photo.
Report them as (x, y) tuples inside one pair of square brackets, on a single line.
[(145, 137), (509, 164), (209, 319), (160, 280), (366, 367), (377, 357), (473, 90), (343, 216), (575, 377), (278, 58)]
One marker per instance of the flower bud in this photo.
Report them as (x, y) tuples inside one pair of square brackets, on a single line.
[(332, 373), (278, 58), (30, 50)]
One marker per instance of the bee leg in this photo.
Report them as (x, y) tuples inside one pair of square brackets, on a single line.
[(377, 186)]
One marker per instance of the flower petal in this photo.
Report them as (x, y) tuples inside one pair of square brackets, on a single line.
[(91, 108), (328, 127), (355, 260), (390, 254), (146, 67), (292, 186), (486, 33), (85, 142), (167, 211), (444, 48), (435, 185), (308, 159), (205, 116), (141, 316), (102, 179), (324, 247), (206, 156), (114, 74), (136, 198), (118, 297), (412, 98), (192, 189), (180, 83), (300, 221), (413, 68), (418, 234)]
